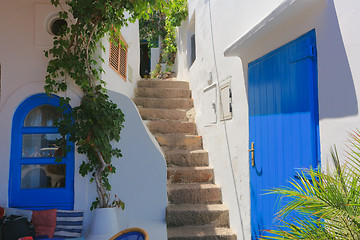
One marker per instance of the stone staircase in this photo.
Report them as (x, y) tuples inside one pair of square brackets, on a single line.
[(195, 210)]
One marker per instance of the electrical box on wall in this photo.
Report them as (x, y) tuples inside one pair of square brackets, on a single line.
[(209, 107), (225, 100), (130, 74)]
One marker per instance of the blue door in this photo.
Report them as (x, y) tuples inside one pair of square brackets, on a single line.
[(37, 179), (283, 122)]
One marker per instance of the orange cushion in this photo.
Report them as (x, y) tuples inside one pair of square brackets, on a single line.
[(44, 222)]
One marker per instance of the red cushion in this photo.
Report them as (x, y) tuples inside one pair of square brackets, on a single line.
[(2, 211), (44, 222)]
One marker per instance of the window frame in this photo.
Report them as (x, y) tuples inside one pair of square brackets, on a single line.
[(38, 198), (121, 59)]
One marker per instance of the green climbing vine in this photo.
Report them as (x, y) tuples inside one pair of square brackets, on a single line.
[(162, 23), (75, 56)]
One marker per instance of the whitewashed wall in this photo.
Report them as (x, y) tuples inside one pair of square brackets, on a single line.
[(23, 39), (218, 25), (115, 82)]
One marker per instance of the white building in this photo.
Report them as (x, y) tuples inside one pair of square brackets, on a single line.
[(282, 74), (26, 32)]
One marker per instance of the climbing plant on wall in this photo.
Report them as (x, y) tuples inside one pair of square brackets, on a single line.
[(162, 23), (75, 57), (152, 28)]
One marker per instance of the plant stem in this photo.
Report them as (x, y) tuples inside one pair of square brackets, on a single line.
[(87, 53), (100, 188)]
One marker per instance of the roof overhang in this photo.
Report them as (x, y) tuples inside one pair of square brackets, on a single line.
[(283, 14)]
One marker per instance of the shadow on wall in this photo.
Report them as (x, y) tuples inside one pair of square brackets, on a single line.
[(337, 96)]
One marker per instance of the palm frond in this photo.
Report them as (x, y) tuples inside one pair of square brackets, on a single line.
[(322, 205)]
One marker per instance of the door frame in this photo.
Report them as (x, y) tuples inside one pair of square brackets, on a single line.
[(16, 160)]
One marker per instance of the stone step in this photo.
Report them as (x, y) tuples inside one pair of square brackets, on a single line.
[(166, 114), (194, 193), (200, 233), (179, 141), (171, 127), (195, 211), (157, 83), (163, 92), (190, 175), (216, 215), (164, 103), (184, 158)]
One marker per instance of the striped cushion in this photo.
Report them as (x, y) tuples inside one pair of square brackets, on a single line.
[(68, 224)]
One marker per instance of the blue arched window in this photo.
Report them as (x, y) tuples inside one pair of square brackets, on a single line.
[(37, 181)]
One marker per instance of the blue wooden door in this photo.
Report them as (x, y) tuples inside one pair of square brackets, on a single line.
[(283, 122), (37, 179)]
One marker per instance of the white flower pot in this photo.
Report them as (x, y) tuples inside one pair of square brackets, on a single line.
[(104, 224)]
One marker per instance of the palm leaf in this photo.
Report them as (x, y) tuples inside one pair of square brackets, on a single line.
[(326, 205)]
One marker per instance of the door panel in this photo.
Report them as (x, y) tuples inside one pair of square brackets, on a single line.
[(35, 182), (283, 122)]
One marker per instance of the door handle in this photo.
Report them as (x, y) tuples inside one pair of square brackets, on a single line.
[(252, 151)]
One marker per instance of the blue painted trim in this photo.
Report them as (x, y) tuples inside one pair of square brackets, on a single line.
[(45, 198)]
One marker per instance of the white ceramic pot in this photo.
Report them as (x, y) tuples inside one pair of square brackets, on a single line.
[(104, 224), (163, 67)]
